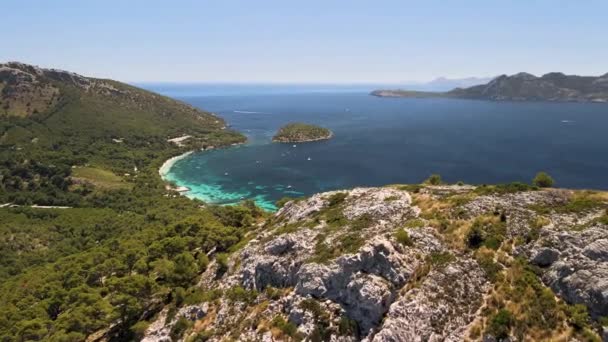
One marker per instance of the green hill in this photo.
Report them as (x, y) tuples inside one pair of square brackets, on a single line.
[(117, 245), (55, 120)]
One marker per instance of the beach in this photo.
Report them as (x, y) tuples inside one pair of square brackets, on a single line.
[(166, 167)]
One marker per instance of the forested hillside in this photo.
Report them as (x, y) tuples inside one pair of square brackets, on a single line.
[(126, 246)]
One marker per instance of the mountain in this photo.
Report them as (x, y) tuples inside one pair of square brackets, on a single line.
[(524, 87), (445, 84)]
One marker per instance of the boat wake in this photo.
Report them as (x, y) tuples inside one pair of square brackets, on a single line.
[(246, 112)]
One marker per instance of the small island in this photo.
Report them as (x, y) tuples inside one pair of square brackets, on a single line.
[(301, 132)]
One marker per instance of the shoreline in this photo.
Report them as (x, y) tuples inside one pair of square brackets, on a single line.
[(168, 164), (164, 169)]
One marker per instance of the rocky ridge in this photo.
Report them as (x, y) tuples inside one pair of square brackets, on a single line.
[(410, 263)]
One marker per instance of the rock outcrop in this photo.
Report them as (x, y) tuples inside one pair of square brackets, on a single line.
[(384, 264)]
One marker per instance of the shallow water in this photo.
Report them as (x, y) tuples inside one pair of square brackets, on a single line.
[(381, 141)]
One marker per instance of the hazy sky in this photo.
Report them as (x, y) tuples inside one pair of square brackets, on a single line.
[(306, 41)]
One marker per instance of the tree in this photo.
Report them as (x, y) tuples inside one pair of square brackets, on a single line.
[(434, 179), (543, 180)]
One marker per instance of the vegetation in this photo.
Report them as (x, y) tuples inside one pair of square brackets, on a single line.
[(403, 237), (434, 179), (487, 231), (127, 246), (285, 327), (300, 132), (501, 189), (539, 314), (337, 199), (543, 180)]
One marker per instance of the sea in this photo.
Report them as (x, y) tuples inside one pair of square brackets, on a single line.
[(381, 141)]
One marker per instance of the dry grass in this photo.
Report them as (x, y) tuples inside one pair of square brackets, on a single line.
[(100, 178)]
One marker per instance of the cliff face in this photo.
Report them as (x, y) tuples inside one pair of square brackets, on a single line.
[(410, 263)]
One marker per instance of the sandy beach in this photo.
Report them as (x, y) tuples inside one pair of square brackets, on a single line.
[(164, 169)]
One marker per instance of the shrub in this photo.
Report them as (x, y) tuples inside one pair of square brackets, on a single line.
[(362, 222), (543, 180), (286, 328), (202, 336), (578, 316), (415, 223), (434, 179), (500, 324), (413, 188), (139, 329), (438, 259), (348, 327), (486, 232), (239, 294), (273, 293), (475, 237), (222, 263), (509, 188), (403, 237), (488, 265), (179, 328), (281, 202), (337, 198)]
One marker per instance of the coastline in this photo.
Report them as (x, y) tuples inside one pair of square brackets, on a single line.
[(166, 167)]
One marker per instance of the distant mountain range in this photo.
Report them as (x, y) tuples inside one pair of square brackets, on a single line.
[(553, 86), (445, 84)]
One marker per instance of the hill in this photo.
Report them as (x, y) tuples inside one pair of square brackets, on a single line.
[(70, 120), (92, 243), (300, 132), (524, 87)]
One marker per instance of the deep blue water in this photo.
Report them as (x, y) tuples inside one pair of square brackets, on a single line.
[(380, 141)]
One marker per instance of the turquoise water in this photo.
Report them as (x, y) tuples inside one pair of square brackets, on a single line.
[(381, 141)]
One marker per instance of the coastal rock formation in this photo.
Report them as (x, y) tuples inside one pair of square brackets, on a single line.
[(403, 264)]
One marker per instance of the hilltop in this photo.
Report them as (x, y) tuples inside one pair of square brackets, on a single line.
[(524, 87), (410, 263)]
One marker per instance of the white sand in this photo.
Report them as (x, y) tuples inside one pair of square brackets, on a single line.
[(164, 169)]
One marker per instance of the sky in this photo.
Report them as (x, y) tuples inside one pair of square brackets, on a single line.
[(312, 41)]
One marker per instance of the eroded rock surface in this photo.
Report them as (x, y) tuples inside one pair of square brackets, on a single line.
[(370, 264)]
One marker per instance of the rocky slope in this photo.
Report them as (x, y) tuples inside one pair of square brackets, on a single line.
[(524, 87), (409, 263)]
